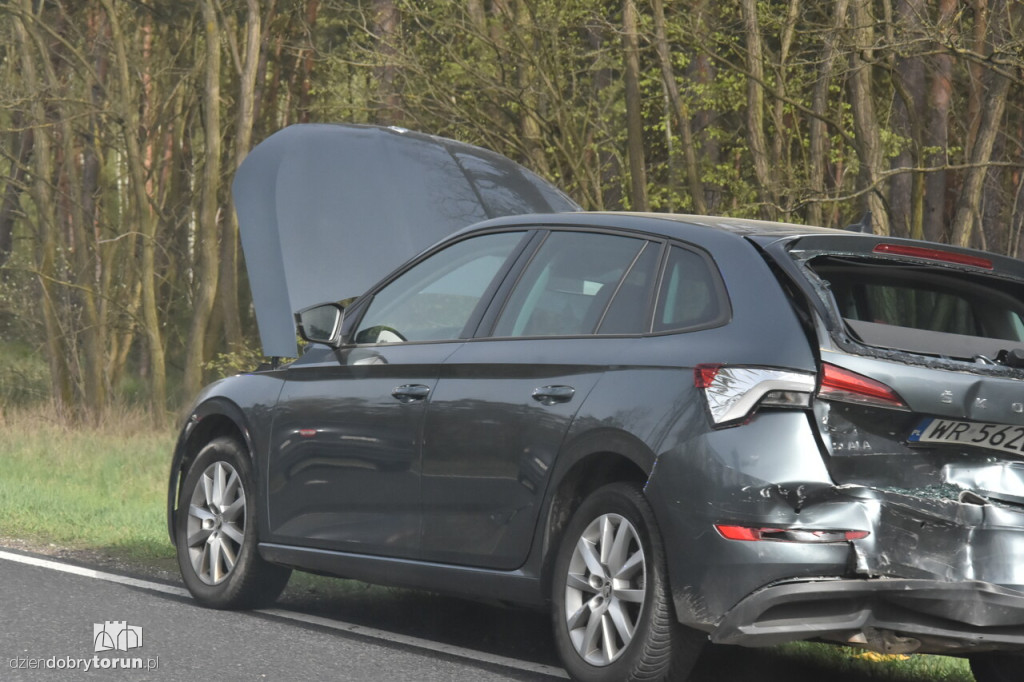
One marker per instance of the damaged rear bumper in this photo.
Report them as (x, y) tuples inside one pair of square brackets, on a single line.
[(888, 615)]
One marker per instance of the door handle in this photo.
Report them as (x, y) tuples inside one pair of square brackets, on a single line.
[(409, 393), (549, 395)]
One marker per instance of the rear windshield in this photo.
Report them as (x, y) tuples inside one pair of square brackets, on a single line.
[(924, 309)]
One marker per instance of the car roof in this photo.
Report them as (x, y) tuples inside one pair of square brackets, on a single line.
[(669, 225)]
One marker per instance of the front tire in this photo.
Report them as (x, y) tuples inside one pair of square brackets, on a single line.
[(613, 615), (215, 532)]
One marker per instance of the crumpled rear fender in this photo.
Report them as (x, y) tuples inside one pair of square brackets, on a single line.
[(964, 554)]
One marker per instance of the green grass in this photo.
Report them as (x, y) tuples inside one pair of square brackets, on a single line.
[(99, 487), (842, 664), (103, 488)]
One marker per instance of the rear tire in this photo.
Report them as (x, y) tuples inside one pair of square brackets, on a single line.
[(997, 667), (215, 532), (612, 610)]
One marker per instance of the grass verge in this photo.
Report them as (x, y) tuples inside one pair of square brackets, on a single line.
[(99, 487), (845, 664)]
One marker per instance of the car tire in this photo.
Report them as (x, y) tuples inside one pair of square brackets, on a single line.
[(613, 615), (997, 667), (215, 532)]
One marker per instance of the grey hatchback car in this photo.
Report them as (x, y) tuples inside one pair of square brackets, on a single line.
[(666, 429)]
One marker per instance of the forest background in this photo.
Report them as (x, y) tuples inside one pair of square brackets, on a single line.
[(122, 122)]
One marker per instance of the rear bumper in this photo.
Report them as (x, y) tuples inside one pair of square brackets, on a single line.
[(889, 615)]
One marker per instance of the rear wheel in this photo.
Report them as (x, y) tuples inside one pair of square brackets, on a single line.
[(613, 615), (215, 532), (997, 667)]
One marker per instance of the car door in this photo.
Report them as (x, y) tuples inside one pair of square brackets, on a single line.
[(503, 404), (344, 460)]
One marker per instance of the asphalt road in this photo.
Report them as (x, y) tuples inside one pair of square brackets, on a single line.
[(48, 620), (50, 612)]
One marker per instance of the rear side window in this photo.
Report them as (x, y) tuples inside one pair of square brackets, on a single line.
[(568, 284), (691, 293), (629, 311)]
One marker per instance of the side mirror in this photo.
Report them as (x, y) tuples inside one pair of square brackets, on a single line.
[(321, 323)]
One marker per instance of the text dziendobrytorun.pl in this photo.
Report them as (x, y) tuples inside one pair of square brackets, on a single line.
[(82, 663)]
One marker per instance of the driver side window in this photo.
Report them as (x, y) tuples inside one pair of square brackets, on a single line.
[(434, 299)]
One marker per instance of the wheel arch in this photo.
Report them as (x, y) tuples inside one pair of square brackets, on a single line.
[(592, 461), (211, 419)]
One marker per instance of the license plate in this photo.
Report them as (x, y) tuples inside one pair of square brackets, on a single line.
[(975, 434)]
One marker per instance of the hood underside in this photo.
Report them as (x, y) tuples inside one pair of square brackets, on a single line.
[(325, 211)]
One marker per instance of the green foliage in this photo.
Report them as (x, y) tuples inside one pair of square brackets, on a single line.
[(234, 362), (845, 663), (24, 376), (540, 81)]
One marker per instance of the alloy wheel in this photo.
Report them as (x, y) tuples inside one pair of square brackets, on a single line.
[(216, 523), (605, 589)]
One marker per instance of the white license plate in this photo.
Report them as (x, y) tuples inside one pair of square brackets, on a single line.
[(974, 434)]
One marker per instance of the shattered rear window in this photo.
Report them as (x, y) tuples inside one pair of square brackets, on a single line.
[(919, 308)]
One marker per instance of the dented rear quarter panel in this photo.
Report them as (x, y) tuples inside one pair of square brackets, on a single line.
[(944, 514)]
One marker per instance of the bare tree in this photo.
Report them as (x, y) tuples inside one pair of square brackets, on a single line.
[(634, 117)]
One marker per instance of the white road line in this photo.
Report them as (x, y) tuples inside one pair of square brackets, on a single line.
[(362, 630), (419, 643), (90, 573)]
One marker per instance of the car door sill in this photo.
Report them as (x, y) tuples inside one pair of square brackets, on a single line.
[(516, 587)]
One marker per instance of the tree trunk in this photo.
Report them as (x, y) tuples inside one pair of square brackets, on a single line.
[(780, 158), (679, 109), (604, 167), (865, 122), (817, 128), (906, 188), (143, 214), (701, 73), (975, 84), (207, 231), (9, 207), (967, 220), (756, 137), (386, 23), (78, 177), (306, 64), (245, 120), (634, 115), (940, 94), (46, 242)]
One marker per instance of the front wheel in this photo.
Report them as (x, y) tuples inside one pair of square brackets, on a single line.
[(997, 667), (613, 616), (215, 532)]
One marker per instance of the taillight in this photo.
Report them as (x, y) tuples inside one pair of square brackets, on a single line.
[(940, 255), (849, 387), (733, 392), (806, 535)]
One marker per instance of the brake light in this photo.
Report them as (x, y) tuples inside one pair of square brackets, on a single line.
[(849, 387), (934, 254), (733, 392), (704, 375), (805, 535)]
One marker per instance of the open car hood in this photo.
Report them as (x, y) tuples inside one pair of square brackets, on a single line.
[(325, 211)]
